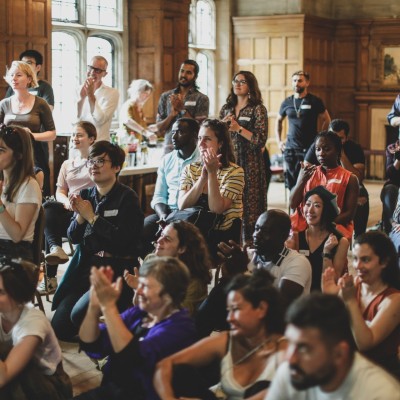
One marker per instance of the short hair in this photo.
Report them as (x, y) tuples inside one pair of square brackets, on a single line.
[(222, 133), (173, 275), (192, 125), (301, 72), (116, 154), (324, 312), (333, 138), (101, 58), (138, 86), (281, 220), (19, 278), (255, 97), (195, 65), (32, 54), (196, 255), (19, 141), (258, 287), (24, 68), (338, 125), (384, 248), (88, 127)]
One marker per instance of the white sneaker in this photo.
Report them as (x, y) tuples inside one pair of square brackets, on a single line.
[(56, 256), (51, 285)]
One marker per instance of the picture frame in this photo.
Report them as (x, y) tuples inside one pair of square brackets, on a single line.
[(391, 66)]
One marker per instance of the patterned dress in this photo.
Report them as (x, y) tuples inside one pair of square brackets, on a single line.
[(249, 156)]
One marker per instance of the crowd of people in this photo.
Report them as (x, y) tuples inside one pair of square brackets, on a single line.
[(289, 317)]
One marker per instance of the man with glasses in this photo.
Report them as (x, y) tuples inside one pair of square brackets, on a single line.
[(96, 101), (107, 225), (44, 90), (183, 101), (305, 112)]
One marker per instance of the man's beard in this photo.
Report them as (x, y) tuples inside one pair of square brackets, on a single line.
[(299, 89), (186, 83), (319, 378)]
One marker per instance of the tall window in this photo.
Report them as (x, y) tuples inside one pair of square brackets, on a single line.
[(202, 45), (81, 30)]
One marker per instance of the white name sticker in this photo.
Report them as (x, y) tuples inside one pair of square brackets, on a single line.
[(305, 252), (190, 103), (306, 107), (334, 181), (11, 116), (244, 118), (110, 213), (34, 92)]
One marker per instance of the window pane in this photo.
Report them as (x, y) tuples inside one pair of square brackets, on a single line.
[(203, 24), (202, 79), (101, 12), (98, 46), (65, 10), (65, 73)]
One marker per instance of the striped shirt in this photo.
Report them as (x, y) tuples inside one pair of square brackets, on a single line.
[(231, 185)]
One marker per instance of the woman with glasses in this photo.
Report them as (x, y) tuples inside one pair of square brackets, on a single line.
[(20, 195), (247, 119), (72, 178), (30, 111), (31, 358)]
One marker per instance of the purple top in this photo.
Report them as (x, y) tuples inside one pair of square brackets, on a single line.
[(134, 365)]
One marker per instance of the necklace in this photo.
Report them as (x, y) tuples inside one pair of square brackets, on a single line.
[(295, 108), (252, 351)]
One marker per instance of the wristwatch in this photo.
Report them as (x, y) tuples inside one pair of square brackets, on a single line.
[(327, 255), (240, 130)]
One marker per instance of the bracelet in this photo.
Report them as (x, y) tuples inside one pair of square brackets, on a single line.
[(93, 220), (327, 255)]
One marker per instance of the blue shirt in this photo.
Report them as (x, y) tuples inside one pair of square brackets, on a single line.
[(168, 177)]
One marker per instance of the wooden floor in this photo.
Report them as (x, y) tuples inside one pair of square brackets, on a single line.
[(82, 370)]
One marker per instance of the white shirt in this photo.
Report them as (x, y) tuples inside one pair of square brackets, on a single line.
[(105, 106)]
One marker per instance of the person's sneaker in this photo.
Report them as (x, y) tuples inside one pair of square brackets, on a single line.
[(56, 256), (51, 285)]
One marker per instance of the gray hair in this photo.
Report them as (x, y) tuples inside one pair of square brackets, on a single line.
[(139, 86)]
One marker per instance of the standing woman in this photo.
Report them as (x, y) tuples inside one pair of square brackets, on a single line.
[(30, 111), (248, 124), (20, 195)]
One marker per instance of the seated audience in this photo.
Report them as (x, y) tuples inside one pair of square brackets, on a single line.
[(321, 243), (291, 270), (352, 158), (31, 360), (215, 182), (131, 116), (20, 195), (183, 240), (72, 178), (322, 362), (143, 335), (395, 223), (391, 187), (249, 353), (338, 180), (107, 225), (165, 198), (372, 298)]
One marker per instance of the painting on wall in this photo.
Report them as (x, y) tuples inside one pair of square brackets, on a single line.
[(391, 66)]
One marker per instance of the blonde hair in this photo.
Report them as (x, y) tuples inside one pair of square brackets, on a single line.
[(138, 86), (26, 69)]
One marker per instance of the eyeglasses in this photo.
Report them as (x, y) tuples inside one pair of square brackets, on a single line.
[(99, 162), (240, 83), (95, 70)]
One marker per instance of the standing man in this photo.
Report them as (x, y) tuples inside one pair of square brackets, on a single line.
[(165, 198), (322, 362), (183, 101), (394, 116), (305, 112), (352, 158), (96, 101), (44, 90)]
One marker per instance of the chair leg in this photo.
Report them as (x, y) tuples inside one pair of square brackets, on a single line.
[(39, 301)]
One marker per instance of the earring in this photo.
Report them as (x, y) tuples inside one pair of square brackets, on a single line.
[(249, 95)]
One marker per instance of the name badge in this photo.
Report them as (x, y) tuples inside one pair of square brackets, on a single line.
[(306, 107), (34, 92), (305, 252), (190, 103), (334, 181), (10, 116), (110, 213), (244, 118)]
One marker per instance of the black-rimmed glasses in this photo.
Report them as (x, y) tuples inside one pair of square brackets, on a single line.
[(99, 162), (95, 70), (240, 83)]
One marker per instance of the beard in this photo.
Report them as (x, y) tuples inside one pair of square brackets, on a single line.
[(304, 381), (185, 83), (299, 89)]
